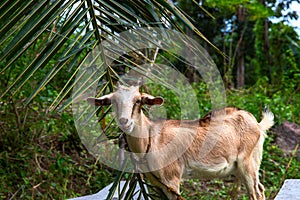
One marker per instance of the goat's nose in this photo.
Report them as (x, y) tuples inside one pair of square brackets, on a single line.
[(123, 121)]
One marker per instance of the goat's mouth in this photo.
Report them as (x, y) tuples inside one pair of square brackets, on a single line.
[(127, 128)]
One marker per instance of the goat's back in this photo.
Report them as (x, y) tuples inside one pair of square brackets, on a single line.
[(222, 138)]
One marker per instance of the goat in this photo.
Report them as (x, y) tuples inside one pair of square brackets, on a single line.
[(212, 146)]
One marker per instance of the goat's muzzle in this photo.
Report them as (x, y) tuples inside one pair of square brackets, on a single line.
[(126, 125)]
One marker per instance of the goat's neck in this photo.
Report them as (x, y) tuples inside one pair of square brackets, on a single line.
[(139, 139)]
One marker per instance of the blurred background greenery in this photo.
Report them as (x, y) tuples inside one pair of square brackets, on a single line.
[(44, 42)]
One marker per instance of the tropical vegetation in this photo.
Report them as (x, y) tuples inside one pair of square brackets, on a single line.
[(46, 43)]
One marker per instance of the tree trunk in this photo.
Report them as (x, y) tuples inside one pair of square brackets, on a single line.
[(241, 68), (240, 51), (266, 42)]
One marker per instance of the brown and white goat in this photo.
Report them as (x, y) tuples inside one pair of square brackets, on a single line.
[(224, 142)]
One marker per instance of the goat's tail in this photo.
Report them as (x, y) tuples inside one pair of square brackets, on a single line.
[(267, 120)]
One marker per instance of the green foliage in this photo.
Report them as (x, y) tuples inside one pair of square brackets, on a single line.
[(176, 105), (43, 158), (255, 8), (284, 102), (44, 43), (276, 167)]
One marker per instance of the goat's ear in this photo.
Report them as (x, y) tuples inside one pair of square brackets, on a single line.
[(102, 101), (150, 100)]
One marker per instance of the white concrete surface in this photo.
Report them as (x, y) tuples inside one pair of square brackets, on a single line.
[(102, 194), (290, 190)]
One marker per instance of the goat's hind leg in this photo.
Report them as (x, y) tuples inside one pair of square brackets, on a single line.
[(249, 176)]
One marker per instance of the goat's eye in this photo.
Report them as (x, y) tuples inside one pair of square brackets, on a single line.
[(138, 101)]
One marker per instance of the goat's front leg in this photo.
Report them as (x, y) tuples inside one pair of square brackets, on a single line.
[(172, 194), (170, 190), (236, 188)]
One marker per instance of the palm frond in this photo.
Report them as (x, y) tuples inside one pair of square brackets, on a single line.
[(43, 40), (70, 30)]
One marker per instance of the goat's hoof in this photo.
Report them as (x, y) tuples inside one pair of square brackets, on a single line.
[(180, 198)]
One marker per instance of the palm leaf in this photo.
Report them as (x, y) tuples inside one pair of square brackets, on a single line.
[(41, 40), (62, 19)]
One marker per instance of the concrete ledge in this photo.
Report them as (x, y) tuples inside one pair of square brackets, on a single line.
[(102, 194), (290, 190)]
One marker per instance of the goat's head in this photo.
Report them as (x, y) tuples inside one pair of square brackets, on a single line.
[(127, 102)]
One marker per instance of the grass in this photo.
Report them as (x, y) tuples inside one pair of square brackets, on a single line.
[(44, 159), (51, 167)]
